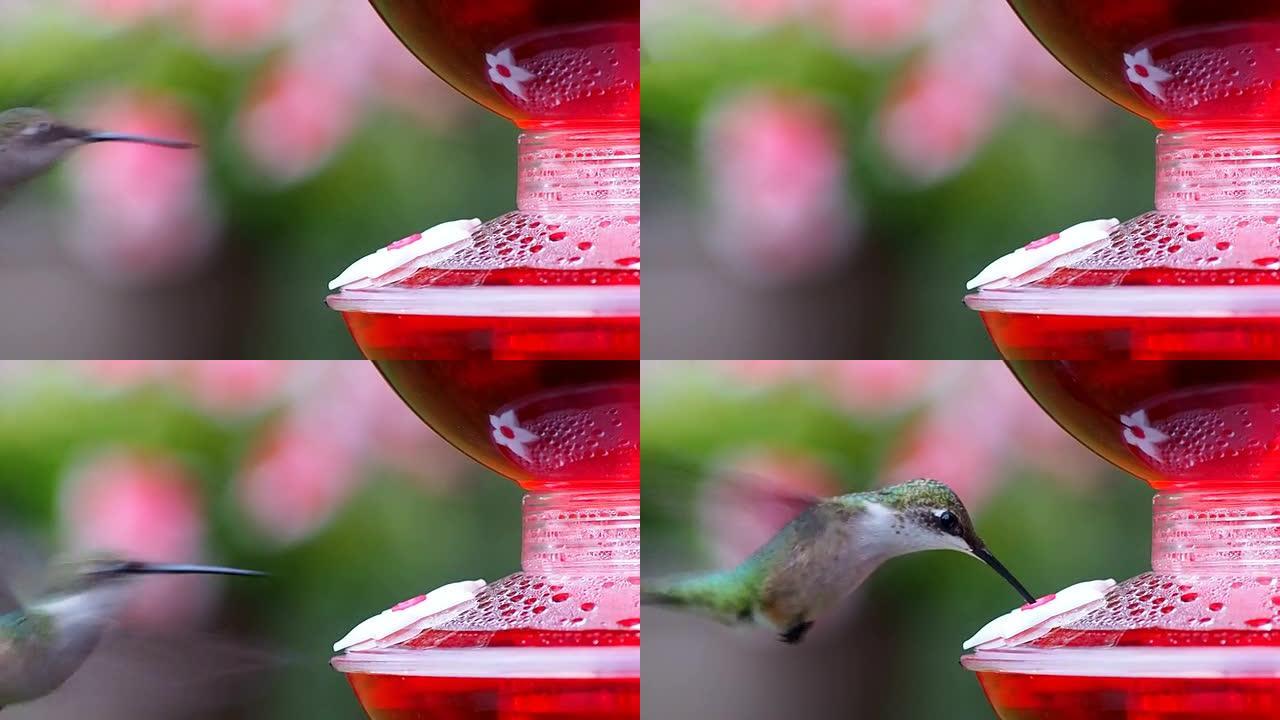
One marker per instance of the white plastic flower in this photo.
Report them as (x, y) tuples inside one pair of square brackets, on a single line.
[(1033, 620), (1142, 71), (1139, 433), (1042, 252), (407, 619), (402, 258), (508, 433), (504, 71)]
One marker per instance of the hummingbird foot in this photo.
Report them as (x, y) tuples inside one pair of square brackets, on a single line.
[(796, 633)]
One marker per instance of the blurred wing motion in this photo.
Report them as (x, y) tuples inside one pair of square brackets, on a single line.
[(161, 676), (745, 499), (8, 601), (780, 585), (727, 480)]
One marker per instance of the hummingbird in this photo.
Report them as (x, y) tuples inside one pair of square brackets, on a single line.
[(43, 644), (825, 553), (32, 141)]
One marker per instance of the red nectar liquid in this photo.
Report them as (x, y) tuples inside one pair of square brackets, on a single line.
[(548, 424), (442, 337), (536, 62), (1036, 697), (421, 698), (1174, 62), (1191, 405), (1179, 402)]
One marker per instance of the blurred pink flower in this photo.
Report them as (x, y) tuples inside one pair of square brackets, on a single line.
[(975, 457), (125, 12), (1038, 442), (875, 26), (141, 212), (936, 118), (235, 387), (943, 448), (299, 112), (882, 387), (750, 497), (235, 25), (295, 480), (141, 507), (399, 440), (401, 82), (766, 373), (947, 104), (765, 12), (776, 164), (126, 374), (386, 71), (382, 429), (874, 388), (1044, 85)]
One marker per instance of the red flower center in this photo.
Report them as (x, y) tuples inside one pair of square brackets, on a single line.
[(1139, 433), (504, 71), (1046, 599), (1043, 241), (405, 241), (1141, 70), (507, 432), (409, 603)]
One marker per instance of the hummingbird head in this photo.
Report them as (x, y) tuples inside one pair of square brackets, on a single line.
[(32, 140), (937, 519)]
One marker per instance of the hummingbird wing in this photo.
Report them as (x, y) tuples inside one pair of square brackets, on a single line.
[(137, 674), (26, 653), (739, 592), (8, 601), (746, 483)]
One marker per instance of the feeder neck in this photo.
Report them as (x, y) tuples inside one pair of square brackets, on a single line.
[(1218, 171), (580, 171), (582, 533), (1216, 533)]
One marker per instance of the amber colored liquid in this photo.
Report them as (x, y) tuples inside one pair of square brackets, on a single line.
[(1222, 55), (1060, 697), (548, 424), (583, 56), (390, 697), (1192, 402)]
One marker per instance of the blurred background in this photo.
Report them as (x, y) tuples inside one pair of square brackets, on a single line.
[(728, 447), (312, 471), (322, 139), (822, 177)]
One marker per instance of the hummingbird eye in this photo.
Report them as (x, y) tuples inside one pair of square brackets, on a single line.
[(947, 521), (40, 128)]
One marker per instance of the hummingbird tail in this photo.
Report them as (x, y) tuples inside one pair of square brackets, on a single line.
[(721, 594), (664, 595)]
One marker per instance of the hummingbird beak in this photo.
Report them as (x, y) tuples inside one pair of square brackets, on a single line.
[(141, 568), (97, 137), (983, 554)]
